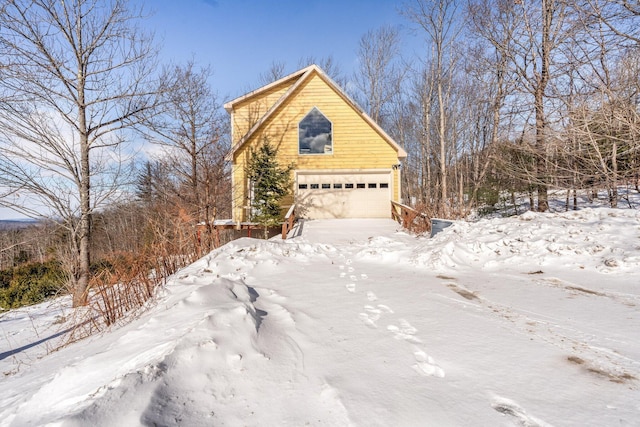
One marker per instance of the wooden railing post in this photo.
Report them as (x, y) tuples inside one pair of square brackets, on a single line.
[(407, 218), (289, 219)]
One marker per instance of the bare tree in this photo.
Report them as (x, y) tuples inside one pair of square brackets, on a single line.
[(329, 65), (441, 23), (423, 99), (493, 28), (193, 129), (494, 23), (532, 42), (77, 75), (380, 72), (619, 16), (539, 53), (605, 120), (275, 72)]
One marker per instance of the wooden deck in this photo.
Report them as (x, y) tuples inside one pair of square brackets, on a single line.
[(229, 224)]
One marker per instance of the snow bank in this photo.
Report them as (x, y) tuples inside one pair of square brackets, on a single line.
[(604, 240), (531, 320)]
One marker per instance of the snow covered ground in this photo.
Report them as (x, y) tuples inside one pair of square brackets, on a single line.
[(525, 321)]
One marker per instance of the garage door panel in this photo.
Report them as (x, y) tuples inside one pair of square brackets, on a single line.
[(360, 195), (319, 204)]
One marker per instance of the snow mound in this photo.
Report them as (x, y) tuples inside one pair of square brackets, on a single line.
[(588, 239)]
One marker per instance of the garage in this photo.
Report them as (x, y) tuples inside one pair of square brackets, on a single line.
[(343, 195)]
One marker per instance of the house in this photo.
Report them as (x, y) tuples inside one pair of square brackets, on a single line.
[(346, 166)]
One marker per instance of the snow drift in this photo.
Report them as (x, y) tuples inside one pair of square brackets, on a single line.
[(531, 320)]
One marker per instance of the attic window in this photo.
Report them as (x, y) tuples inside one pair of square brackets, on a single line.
[(315, 134)]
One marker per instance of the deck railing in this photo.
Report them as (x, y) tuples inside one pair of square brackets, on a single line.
[(289, 220), (410, 218)]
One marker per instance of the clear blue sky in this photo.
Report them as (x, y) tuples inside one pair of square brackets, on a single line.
[(240, 39)]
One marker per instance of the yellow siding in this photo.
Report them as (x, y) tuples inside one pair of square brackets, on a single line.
[(356, 145), (239, 190), (248, 113)]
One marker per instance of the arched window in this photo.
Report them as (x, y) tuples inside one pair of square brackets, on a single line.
[(315, 134)]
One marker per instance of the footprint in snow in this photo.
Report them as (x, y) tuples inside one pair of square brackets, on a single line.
[(374, 313), (367, 320), (350, 269), (511, 408), (404, 332), (426, 366), (407, 327), (364, 276), (370, 316), (351, 287), (348, 262), (353, 277), (343, 274), (385, 308), (373, 297)]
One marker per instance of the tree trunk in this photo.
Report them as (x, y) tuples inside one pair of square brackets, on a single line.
[(541, 125), (196, 209), (426, 155), (80, 292), (443, 151), (613, 195)]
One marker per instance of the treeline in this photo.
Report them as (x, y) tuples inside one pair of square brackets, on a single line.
[(509, 96)]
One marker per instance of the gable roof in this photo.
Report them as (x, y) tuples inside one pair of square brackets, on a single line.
[(302, 76)]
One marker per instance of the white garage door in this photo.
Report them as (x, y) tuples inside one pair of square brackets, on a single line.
[(343, 195)]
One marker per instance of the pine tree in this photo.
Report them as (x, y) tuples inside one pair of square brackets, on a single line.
[(271, 183)]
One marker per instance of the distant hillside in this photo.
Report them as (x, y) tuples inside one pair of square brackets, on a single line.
[(7, 224)]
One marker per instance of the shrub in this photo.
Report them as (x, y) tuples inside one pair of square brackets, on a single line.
[(31, 283)]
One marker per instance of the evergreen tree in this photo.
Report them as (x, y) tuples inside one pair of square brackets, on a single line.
[(271, 183)]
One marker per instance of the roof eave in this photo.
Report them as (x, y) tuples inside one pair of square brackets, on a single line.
[(229, 105)]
